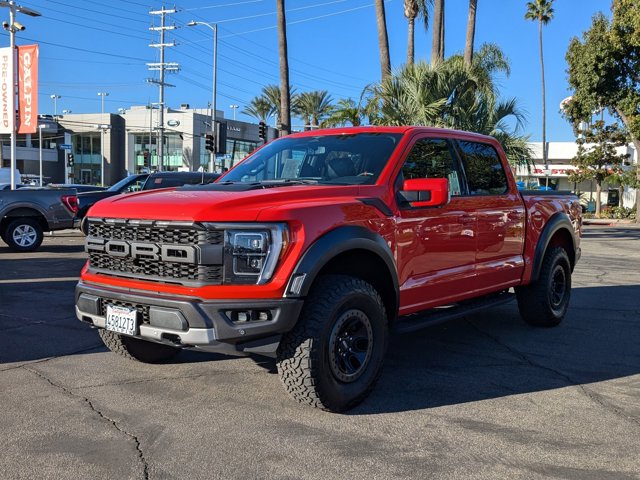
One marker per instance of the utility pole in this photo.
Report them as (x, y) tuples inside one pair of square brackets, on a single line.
[(162, 67)]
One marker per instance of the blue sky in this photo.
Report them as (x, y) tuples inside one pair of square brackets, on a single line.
[(92, 46)]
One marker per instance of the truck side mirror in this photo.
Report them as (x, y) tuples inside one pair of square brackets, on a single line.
[(426, 192)]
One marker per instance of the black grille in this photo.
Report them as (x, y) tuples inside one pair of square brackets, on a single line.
[(153, 234), (127, 266), (149, 268), (143, 310)]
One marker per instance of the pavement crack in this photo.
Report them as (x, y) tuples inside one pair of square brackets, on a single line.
[(591, 395), (144, 380), (89, 403)]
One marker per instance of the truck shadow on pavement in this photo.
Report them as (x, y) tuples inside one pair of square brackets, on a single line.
[(489, 355), (495, 354)]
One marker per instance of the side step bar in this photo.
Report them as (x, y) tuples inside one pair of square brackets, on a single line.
[(434, 316)]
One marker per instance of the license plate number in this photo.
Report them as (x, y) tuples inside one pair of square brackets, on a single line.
[(121, 319)]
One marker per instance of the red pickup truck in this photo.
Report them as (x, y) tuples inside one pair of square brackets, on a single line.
[(318, 245)]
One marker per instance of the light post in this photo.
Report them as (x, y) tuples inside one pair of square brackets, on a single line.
[(213, 27), (40, 127), (102, 128), (12, 26), (103, 94), (234, 108), (55, 98)]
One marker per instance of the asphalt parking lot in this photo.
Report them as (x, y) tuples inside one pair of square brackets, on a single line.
[(482, 397)]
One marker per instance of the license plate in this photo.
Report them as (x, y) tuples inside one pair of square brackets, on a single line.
[(121, 319)]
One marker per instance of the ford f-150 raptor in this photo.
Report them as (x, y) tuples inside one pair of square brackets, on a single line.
[(318, 245)]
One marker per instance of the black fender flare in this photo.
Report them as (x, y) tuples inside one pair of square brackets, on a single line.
[(333, 243), (557, 222)]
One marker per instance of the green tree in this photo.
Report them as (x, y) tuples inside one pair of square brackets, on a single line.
[(448, 94), (259, 108), (314, 107), (285, 91), (597, 158), (346, 111), (415, 9), (383, 39), (541, 11), (603, 71)]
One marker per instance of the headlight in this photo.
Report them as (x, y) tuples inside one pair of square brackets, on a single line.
[(251, 252)]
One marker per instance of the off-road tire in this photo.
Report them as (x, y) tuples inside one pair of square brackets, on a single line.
[(136, 349), (333, 356), (23, 234), (544, 302)]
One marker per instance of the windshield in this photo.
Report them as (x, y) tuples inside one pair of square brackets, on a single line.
[(334, 159), (116, 187)]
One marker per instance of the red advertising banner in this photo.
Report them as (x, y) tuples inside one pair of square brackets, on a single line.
[(7, 100), (27, 88)]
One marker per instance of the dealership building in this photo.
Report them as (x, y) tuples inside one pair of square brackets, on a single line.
[(76, 148), (556, 174), (128, 143)]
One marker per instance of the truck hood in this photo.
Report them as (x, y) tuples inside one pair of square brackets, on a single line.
[(214, 202)]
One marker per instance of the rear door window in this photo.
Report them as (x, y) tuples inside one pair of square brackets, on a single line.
[(483, 168)]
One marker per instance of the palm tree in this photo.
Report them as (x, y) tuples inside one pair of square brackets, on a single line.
[(412, 10), (437, 47), (383, 39), (448, 94), (271, 93), (285, 99), (542, 12), (347, 111), (259, 108), (471, 33), (314, 107)]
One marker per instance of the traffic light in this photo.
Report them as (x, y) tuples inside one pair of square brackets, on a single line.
[(69, 159), (208, 142), (262, 130)]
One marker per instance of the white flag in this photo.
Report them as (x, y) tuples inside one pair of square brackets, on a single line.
[(7, 94)]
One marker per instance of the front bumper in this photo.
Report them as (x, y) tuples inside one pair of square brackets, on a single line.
[(246, 326)]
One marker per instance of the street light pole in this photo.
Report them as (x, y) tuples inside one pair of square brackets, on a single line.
[(214, 27), (103, 94), (12, 26), (40, 127), (55, 98), (233, 107)]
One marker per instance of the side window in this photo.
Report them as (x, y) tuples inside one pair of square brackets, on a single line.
[(484, 170), (135, 186), (433, 158)]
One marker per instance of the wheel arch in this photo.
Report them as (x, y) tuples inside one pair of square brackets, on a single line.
[(556, 233), (18, 212), (354, 251)]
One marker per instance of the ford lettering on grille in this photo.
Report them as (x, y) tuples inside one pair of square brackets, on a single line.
[(141, 250)]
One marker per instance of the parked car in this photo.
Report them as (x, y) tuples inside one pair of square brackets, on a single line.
[(28, 212), (134, 183), (7, 186), (78, 186), (317, 246), (176, 179)]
